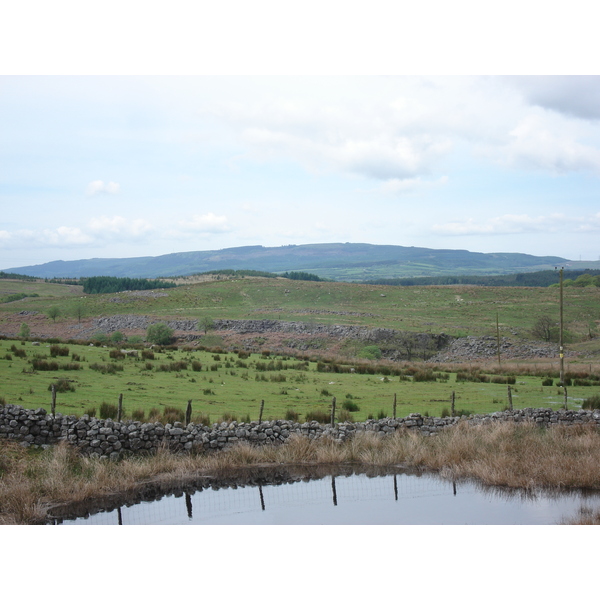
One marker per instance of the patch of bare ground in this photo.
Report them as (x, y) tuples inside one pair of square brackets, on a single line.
[(515, 456)]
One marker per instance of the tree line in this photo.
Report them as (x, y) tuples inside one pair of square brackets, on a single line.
[(109, 285)]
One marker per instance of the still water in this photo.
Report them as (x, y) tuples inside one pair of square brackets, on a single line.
[(344, 498)]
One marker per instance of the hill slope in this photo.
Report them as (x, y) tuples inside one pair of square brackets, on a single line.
[(342, 262)]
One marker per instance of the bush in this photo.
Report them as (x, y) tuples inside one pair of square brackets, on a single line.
[(56, 350), (171, 414), (548, 381), (196, 365), (147, 355), (381, 415), (117, 337), (318, 415), (116, 354), (44, 365), (370, 352), (62, 385), (345, 416), (138, 414), (110, 368), (291, 415), (350, 406), (108, 411), (90, 411), (159, 333), (592, 403)]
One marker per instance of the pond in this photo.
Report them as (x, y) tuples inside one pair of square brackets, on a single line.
[(340, 496)]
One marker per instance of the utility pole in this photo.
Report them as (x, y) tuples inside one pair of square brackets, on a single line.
[(560, 338)]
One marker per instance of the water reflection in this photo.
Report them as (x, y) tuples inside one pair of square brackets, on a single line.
[(306, 495)]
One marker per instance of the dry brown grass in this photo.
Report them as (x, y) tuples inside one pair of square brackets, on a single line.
[(505, 454)]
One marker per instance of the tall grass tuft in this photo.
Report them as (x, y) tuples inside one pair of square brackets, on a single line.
[(108, 411)]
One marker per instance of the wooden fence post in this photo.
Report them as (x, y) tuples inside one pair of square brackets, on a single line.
[(333, 411), (120, 409), (53, 407), (565, 391), (188, 413), (394, 412), (510, 404), (453, 399), (262, 405)]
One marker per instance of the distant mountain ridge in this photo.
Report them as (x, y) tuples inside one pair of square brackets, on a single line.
[(338, 261)]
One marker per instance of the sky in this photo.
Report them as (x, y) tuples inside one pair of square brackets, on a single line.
[(119, 165)]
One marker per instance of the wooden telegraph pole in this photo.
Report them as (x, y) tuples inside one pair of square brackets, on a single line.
[(560, 339)]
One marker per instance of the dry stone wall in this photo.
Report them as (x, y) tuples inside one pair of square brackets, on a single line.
[(112, 439)]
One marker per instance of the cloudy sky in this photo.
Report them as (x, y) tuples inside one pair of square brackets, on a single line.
[(120, 166), (96, 166)]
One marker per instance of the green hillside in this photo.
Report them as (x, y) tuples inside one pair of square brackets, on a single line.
[(340, 262)]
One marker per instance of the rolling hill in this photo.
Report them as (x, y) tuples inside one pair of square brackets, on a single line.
[(336, 261)]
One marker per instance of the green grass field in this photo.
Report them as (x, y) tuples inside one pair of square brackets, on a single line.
[(456, 310), (228, 385)]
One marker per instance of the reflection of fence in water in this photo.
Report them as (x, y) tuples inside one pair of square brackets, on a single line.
[(330, 490)]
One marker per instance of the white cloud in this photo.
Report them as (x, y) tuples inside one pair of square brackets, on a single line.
[(402, 186), (516, 224), (401, 128), (119, 226), (99, 187), (208, 223)]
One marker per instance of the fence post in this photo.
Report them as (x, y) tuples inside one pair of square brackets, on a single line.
[(565, 391), (510, 404), (53, 407), (333, 411), (188, 413), (453, 398), (120, 410), (394, 412), (262, 405)]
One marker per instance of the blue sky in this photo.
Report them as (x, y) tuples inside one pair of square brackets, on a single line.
[(96, 166), (119, 166)]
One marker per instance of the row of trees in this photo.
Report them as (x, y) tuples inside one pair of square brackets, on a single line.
[(110, 285)]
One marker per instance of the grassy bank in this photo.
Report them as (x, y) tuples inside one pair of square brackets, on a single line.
[(506, 454)]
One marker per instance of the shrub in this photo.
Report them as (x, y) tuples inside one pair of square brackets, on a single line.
[(138, 414), (381, 415), (147, 355), (159, 333), (228, 417), (291, 415), (110, 368), (201, 419), (44, 365), (548, 381), (325, 392), (90, 411), (100, 337), (172, 414), (318, 415), (19, 352), (117, 337), (62, 385), (370, 352), (196, 365), (154, 414), (350, 406), (56, 350), (345, 416), (592, 403), (108, 411), (116, 354)]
